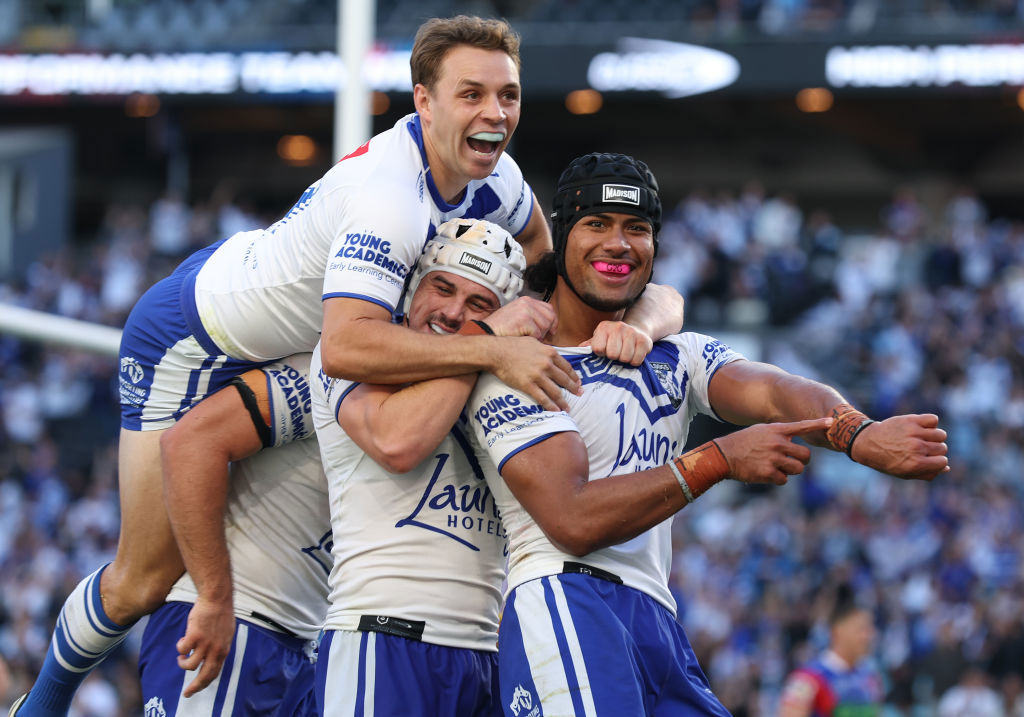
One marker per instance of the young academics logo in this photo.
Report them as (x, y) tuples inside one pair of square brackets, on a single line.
[(621, 194)]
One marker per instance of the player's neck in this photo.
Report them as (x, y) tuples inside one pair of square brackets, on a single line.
[(449, 184), (576, 320)]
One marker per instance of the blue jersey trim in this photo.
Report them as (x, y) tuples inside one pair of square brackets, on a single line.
[(270, 398), (523, 447), (362, 297), (714, 413), (341, 397), (654, 414), (528, 215), (416, 131)]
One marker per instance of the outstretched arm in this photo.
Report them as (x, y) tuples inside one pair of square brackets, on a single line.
[(196, 453), (908, 446)]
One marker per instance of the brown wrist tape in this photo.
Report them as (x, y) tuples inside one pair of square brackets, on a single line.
[(847, 424), (475, 328), (699, 469)]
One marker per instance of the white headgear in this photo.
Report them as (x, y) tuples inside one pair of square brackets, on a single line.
[(476, 250)]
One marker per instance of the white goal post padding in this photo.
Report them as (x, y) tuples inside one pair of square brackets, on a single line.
[(52, 329)]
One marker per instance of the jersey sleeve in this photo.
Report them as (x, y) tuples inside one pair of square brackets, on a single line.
[(506, 421), (327, 392), (374, 246), (704, 356), (287, 384)]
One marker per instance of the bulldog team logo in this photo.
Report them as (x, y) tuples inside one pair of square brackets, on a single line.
[(522, 703), (155, 708), (667, 380), (130, 367)]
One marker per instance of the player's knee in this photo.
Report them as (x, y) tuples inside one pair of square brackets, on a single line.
[(152, 593), (128, 596)]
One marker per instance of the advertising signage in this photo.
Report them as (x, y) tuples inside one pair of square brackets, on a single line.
[(670, 69)]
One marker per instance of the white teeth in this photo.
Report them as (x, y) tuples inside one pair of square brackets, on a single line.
[(488, 136), (439, 330)]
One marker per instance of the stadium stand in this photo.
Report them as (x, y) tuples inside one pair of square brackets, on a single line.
[(917, 305), (938, 563)]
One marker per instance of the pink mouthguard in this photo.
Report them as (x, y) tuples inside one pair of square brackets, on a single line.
[(607, 268)]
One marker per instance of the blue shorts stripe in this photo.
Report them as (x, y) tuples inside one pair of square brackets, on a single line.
[(364, 639), (193, 383), (563, 645)]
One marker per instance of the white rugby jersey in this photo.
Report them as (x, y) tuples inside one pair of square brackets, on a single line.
[(354, 233), (630, 418), (277, 521), (427, 545)]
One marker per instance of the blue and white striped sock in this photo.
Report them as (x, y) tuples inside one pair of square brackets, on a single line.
[(83, 637)]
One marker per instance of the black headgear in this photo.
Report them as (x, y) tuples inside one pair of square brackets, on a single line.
[(602, 182)]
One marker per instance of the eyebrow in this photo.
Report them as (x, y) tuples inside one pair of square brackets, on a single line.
[(467, 82), (607, 216), (475, 295)]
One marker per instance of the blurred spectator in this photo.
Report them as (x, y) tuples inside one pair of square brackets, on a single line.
[(971, 697), (169, 225)]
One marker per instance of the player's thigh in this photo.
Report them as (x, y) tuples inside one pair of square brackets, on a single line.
[(146, 546)]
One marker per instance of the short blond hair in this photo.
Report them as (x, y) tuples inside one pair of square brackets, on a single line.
[(439, 35)]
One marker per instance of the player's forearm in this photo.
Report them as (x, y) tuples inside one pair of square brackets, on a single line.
[(400, 429), (613, 510), (748, 392), (375, 351), (658, 312), (795, 398), (196, 488)]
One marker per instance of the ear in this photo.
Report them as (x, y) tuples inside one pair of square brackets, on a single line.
[(421, 101)]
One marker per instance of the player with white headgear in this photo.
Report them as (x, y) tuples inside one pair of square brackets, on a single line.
[(418, 546)]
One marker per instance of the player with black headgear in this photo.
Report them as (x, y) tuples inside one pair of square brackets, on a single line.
[(587, 495)]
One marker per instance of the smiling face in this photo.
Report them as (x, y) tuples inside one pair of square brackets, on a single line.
[(443, 302), (468, 116), (608, 259)]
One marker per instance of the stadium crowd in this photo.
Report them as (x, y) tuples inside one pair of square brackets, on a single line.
[(922, 312), (241, 24)]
